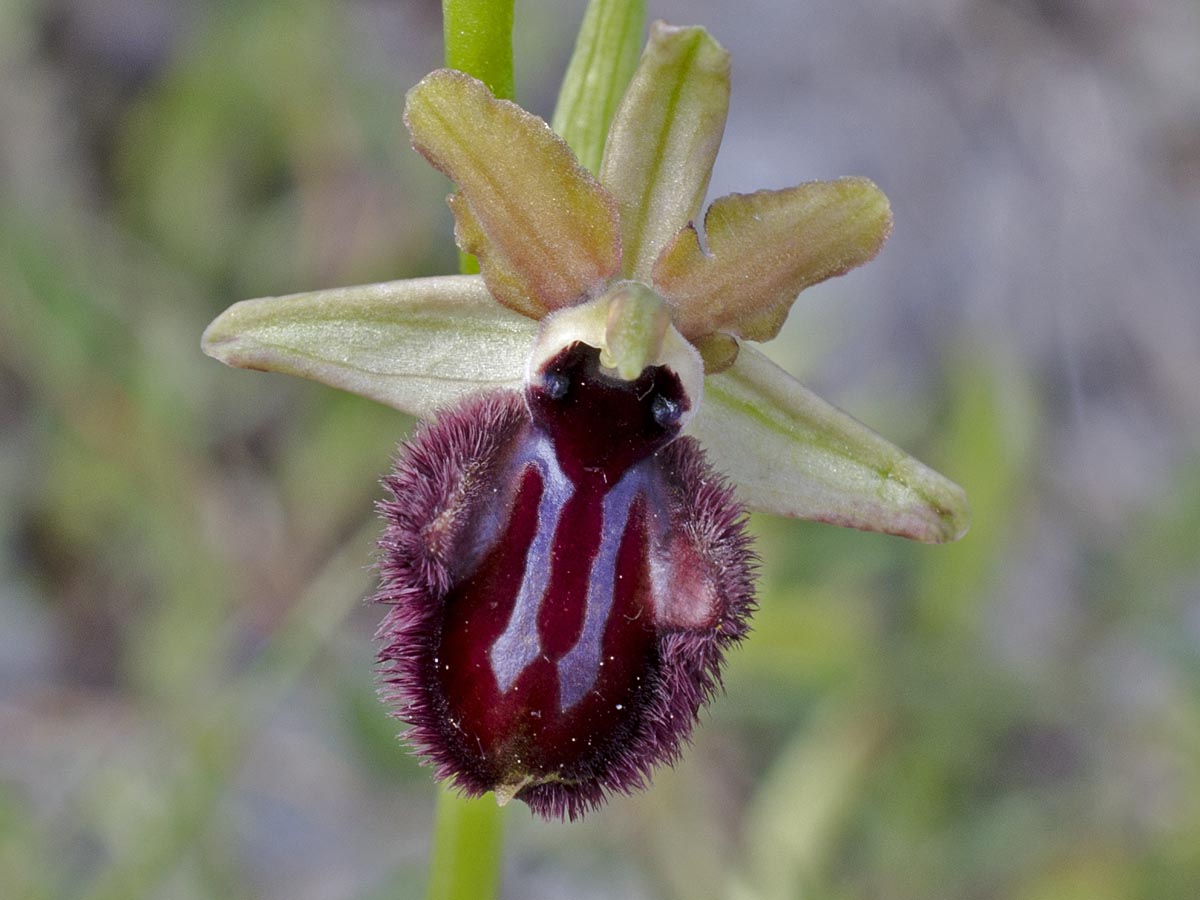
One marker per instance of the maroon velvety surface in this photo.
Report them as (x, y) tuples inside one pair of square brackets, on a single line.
[(540, 555)]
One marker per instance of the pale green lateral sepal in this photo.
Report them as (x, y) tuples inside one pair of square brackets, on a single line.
[(414, 345), (606, 53), (793, 454), (544, 231), (766, 247), (664, 140)]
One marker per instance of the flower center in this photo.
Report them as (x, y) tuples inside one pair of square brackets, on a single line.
[(600, 424)]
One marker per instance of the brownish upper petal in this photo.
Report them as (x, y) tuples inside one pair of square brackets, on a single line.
[(544, 230), (763, 249)]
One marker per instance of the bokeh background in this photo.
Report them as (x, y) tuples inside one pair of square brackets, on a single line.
[(186, 698)]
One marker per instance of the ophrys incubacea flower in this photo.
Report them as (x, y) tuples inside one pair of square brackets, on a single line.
[(564, 568)]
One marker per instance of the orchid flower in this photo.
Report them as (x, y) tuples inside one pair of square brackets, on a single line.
[(565, 556)]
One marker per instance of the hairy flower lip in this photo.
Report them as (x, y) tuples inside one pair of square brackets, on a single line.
[(443, 479)]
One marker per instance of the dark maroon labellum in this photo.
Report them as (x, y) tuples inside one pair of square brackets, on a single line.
[(564, 575)]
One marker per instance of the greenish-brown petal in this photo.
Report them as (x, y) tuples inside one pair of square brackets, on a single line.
[(664, 139), (763, 249), (543, 229), (718, 350), (793, 454), (414, 345)]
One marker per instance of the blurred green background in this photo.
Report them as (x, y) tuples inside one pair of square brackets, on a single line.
[(186, 698)]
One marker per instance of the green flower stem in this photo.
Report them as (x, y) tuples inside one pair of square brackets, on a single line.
[(606, 54), (468, 835), (467, 848), (478, 36)]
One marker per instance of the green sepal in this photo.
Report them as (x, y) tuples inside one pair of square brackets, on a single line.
[(793, 454), (664, 140), (414, 345), (606, 54)]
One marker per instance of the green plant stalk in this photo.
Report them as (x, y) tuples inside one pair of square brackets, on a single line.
[(468, 835), (468, 843), (478, 35)]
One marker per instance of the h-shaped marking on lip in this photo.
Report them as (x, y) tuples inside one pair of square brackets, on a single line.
[(579, 668), (519, 644)]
